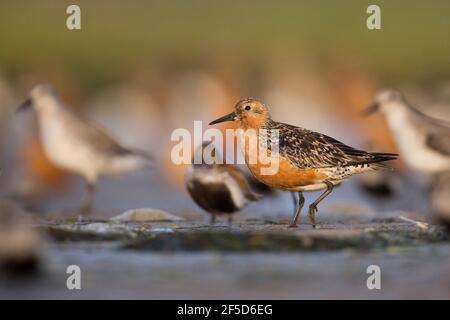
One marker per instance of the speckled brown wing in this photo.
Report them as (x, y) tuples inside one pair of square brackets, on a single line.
[(239, 177), (308, 149)]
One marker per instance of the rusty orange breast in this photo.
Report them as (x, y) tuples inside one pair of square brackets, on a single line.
[(285, 176)]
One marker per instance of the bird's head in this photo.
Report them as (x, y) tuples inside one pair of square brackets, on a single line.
[(40, 97), (385, 101), (249, 113)]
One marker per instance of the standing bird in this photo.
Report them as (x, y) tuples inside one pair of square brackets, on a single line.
[(218, 188), (78, 146), (307, 160), (423, 141)]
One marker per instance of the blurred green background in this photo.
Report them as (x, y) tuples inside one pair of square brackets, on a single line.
[(120, 38), (143, 68)]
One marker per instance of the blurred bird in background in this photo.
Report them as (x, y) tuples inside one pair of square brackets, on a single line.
[(78, 146), (424, 143), (219, 189)]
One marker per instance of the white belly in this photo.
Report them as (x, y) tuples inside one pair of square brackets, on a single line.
[(66, 150), (412, 145)]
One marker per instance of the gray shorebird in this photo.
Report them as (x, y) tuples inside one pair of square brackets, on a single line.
[(423, 141), (219, 189), (307, 160), (78, 146)]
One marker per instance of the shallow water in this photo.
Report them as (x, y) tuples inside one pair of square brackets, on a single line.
[(409, 273)]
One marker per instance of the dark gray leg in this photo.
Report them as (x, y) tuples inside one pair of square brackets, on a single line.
[(86, 206), (213, 219), (313, 207), (294, 199), (230, 220), (301, 201)]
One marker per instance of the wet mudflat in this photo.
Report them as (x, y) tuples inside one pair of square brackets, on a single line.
[(257, 257), (252, 259)]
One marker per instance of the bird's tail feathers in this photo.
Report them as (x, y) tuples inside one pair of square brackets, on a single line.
[(383, 156), (146, 157), (378, 159), (380, 166), (130, 161)]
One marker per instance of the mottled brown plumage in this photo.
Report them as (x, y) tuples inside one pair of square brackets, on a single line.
[(308, 160), (308, 149)]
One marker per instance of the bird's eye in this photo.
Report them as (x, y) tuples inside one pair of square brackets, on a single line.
[(247, 108)]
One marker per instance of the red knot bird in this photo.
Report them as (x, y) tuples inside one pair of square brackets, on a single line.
[(307, 160), (219, 189), (423, 141), (77, 145)]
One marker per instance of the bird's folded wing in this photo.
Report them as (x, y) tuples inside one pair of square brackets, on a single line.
[(96, 137), (439, 141), (307, 149)]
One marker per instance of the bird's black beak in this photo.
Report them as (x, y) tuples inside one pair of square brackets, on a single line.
[(228, 117), (374, 107), (24, 106)]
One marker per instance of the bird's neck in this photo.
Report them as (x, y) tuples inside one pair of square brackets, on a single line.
[(255, 123), (397, 114), (47, 105)]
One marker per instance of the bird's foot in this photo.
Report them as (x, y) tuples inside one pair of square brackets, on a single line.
[(84, 210), (293, 225), (79, 222), (312, 216)]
